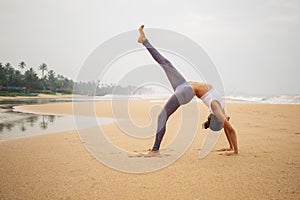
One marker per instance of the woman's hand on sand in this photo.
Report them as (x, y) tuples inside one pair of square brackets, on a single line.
[(228, 154), (225, 149)]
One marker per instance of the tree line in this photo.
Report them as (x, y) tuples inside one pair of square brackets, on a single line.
[(25, 81)]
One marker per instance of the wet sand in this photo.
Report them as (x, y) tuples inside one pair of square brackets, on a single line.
[(57, 166), (40, 96)]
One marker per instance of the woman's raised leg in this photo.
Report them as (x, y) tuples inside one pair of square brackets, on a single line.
[(172, 73)]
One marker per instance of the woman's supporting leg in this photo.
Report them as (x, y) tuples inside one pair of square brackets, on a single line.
[(170, 107), (173, 75), (183, 94)]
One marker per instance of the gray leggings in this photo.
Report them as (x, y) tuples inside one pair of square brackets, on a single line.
[(183, 93)]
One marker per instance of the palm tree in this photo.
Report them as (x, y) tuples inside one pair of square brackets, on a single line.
[(22, 65), (31, 79), (9, 73), (43, 67), (2, 75), (8, 65), (52, 80)]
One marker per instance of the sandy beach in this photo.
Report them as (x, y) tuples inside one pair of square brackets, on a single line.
[(58, 166)]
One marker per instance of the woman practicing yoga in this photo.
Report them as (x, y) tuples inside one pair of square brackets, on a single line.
[(183, 93)]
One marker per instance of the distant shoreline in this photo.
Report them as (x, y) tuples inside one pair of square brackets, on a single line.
[(41, 96), (279, 99)]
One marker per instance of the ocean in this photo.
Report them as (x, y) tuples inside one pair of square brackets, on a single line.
[(280, 99)]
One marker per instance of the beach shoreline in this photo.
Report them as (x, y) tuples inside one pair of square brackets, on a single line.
[(40, 96), (58, 166)]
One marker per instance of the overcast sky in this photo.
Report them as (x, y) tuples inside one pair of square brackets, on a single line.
[(254, 44)]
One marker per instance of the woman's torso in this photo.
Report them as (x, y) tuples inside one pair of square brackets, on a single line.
[(199, 88), (207, 94)]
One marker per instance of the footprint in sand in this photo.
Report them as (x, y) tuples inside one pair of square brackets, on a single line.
[(145, 155)]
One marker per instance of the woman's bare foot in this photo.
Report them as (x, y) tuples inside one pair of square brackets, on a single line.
[(152, 153), (142, 38)]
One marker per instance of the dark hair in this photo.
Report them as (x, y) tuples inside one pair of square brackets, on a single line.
[(213, 123), (207, 123)]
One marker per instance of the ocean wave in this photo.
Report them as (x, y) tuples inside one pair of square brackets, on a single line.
[(281, 99)]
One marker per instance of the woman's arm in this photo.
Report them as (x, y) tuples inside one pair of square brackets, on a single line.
[(232, 136), (229, 130), (218, 111)]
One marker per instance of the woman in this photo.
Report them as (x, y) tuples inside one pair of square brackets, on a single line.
[(183, 93)]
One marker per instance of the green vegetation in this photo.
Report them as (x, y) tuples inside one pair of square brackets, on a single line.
[(15, 82)]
